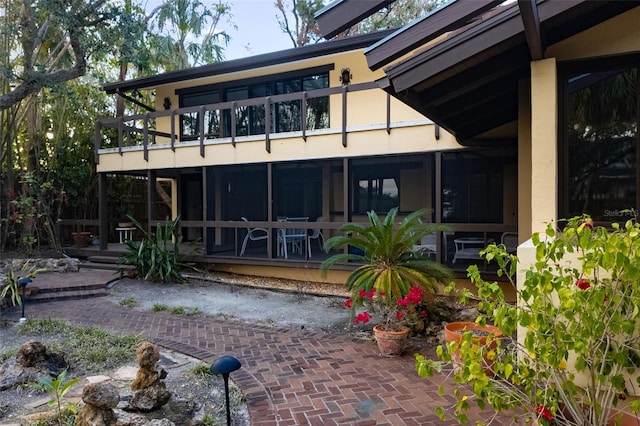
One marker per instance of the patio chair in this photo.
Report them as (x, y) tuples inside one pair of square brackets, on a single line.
[(316, 235), (510, 242), (253, 234)]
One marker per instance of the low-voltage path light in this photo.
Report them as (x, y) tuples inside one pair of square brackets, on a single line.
[(225, 365)]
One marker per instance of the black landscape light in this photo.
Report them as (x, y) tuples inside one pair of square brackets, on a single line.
[(23, 283), (225, 365)]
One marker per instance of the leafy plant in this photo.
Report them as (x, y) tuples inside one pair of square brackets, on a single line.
[(57, 388), (11, 285), (577, 321), (387, 261), (406, 312), (129, 302), (157, 257)]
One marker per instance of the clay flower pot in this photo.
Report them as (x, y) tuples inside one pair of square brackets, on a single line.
[(390, 343), (454, 332), (81, 239)]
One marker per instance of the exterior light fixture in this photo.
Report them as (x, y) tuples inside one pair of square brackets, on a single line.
[(167, 103), (23, 283), (226, 365), (345, 76)]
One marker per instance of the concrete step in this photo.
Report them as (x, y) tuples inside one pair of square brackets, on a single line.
[(65, 295)]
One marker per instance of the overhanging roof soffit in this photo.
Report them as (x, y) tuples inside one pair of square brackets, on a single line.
[(447, 18), (531, 22), (343, 14)]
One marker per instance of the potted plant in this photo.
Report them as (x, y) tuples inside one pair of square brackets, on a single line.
[(388, 266), (576, 321), (395, 317)]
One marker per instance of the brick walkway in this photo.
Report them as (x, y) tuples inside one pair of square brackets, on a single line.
[(290, 377)]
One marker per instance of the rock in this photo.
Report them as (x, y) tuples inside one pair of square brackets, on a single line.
[(149, 398), (102, 395), (90, 415), (32, 354), (150, 390), (33, 361), (100, 399)]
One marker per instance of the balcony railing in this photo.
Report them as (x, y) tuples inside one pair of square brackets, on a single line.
[(140, 130)]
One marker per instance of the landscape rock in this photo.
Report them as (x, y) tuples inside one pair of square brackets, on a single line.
[(150, 389), (33, 361)]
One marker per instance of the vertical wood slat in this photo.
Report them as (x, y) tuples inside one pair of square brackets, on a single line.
[(344, 116), (303, 119), (233, 124), (103, 213), (438, 203), (267, 124), (201, 129), (97, 127), (270, 211), (145, 137), (120, 134), (173, 130)]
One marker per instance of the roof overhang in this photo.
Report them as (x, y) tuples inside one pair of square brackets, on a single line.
[(253, 62), (466, 80), (340, 15)]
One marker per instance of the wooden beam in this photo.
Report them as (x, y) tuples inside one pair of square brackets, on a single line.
[(450, 17), (343, 14), (531, 22)]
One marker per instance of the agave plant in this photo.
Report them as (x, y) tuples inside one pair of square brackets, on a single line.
[(157, 257), (387, 260)]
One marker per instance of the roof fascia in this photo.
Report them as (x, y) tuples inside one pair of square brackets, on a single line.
[(447, 18), (253, 62), (502, 29), (343, 14), (531, 22)]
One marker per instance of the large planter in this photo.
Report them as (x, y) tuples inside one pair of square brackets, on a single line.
[(454, 332), (81, 239), (391, 343)]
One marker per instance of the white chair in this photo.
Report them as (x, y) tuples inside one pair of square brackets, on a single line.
[(253, 234), (468, 248), (292, 236), (428, 245), (510, 242), (316, 235)]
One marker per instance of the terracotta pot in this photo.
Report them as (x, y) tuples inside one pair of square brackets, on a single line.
[(454, 331), (390, 343), (81, 239)]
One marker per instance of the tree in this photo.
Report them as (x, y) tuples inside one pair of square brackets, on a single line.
[(52, 41), (192, 37), (296, 19)]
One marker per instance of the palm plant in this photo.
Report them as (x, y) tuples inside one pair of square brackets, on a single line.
[(388, 261)]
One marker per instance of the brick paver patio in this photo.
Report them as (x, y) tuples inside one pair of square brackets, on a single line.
[(290, 377)]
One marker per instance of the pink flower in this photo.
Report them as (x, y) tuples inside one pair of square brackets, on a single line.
[(399, 315), (544, 412), (583, 284), (363, 318), (588, 223), (348, 303)]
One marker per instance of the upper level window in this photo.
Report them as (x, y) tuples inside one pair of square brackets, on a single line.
[(601, 137), (285, 116)]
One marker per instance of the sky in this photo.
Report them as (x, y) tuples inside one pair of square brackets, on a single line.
[(258, 30)]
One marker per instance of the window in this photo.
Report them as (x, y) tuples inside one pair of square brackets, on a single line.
[(191, 121), (473, 188), (601, 138), (376, 186), (286, 116)]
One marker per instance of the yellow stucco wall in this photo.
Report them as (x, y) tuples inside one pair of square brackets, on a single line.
[(616, 36)]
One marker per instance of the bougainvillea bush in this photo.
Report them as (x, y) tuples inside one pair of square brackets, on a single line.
[(392, 315), (577, 322)]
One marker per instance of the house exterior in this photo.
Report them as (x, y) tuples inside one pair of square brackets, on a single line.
[(559, 78), (337, 146)]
